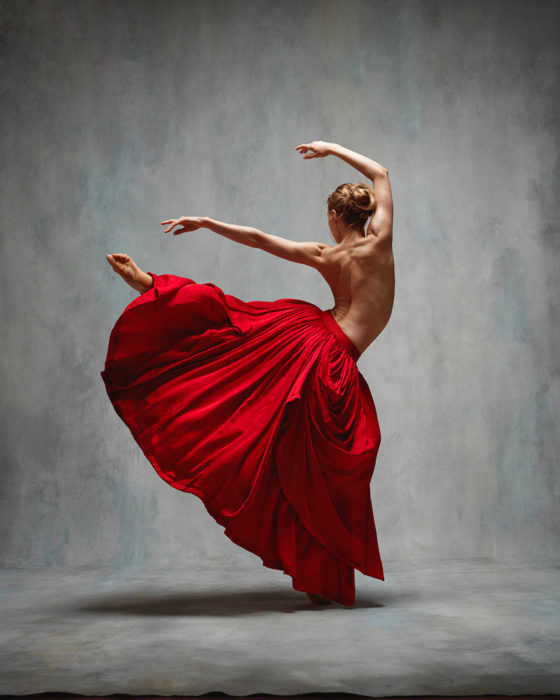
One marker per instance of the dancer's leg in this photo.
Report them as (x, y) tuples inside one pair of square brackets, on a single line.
[(318, 599), (125, 266)]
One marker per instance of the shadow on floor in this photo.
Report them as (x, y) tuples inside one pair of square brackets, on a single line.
[(222, 604)]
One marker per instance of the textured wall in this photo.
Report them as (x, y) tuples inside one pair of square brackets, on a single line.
[(118, 115)]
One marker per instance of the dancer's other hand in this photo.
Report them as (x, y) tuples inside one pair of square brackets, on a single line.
[(188, 223), (319, 149)]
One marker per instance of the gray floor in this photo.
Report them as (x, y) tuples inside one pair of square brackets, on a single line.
[(447, 628)]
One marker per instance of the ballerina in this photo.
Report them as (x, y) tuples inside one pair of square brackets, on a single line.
[(266, 396)]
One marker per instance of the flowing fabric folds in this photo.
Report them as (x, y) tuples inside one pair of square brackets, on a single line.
[(257, 408)]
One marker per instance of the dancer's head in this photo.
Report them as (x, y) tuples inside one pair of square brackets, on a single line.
[(349, 207)]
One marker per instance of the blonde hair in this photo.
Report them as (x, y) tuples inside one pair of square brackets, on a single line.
[(355, 202)]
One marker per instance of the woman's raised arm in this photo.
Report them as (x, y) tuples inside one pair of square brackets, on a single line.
[(319, 149), (381, 223)]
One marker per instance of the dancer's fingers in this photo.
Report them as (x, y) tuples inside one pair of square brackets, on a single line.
[(313, 154), (171, 222)]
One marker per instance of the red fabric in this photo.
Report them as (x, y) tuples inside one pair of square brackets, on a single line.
[(257, 408)]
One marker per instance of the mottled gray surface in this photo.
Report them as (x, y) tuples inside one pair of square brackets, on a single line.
[(118, 115), (435, 628)]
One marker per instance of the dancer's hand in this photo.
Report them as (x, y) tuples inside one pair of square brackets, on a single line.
[(319, 149), (188, 223)]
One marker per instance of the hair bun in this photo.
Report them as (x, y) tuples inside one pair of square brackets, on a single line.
[(355, 202), (363, 196)]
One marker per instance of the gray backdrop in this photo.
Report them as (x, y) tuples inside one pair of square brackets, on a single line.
[(118, 115)]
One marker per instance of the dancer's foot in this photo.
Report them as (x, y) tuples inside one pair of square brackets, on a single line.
[(318, 599), (125, 266)]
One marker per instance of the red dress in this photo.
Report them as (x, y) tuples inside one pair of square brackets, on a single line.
[(257, 408)]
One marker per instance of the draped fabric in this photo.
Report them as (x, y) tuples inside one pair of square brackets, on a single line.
[(257, 408)]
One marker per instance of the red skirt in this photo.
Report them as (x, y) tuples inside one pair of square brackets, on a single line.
[(257, 408)]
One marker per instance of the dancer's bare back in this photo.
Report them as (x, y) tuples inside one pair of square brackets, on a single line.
[(361, 276)]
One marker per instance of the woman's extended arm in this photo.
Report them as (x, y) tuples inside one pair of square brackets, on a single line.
[(295, 251)]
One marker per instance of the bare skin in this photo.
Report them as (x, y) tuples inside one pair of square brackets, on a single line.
[(362, 279), (317, 599), (125, 266), (359, 268)]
